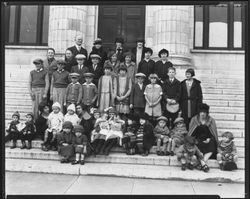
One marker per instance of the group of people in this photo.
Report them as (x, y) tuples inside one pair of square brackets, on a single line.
[(85, 105)]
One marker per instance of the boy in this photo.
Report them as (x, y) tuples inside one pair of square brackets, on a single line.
[(96, 68), (137, 98), (73, 91), (12, 130), (171, 93), (89, 91), (59, 83), (38, 85), (55, 121), (80, 68)]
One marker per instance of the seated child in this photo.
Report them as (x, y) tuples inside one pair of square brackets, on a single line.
[(144, 135), (55, 121), (227, 154), (42, 120), (12, 130), (65, 143), (80, 144), (162, 135), (189, 155), (28, 132), (71, 115), (178, 133)]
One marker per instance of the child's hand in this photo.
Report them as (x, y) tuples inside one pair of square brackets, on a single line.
[(28, 132)]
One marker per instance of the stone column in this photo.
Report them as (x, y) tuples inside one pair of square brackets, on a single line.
[(169, 27)]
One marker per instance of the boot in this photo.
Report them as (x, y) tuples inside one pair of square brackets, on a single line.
[(29, 145), (13, 144), (23, 145)]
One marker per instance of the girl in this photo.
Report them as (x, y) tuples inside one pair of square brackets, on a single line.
[(153, 95), (113, 62), (71, 115), (190, 96), (131, 66)]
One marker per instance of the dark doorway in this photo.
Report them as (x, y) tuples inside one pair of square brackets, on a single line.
[(121, 21)]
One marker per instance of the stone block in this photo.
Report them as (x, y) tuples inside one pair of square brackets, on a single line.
[(234, 110), (240, 117), (230, 124)]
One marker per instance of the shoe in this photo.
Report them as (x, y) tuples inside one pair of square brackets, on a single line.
[(162, 153), (221, 166), (23, 145), (29, 145), (13, 145), (158, 152), (53, 148), (205, 168), (167, 153), (183, 167), (63, 161), (74, 162), (82, 162), (44, 148), (190, 166), (171, 153)]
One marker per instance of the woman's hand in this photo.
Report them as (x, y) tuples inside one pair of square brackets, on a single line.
[(207, 140)]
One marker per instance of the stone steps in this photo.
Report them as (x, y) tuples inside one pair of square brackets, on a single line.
[(37, 145), (120, 158), (124, 170)]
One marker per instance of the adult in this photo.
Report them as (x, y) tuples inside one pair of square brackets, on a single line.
[(190, 96), (69, 59), (130, 65), (119, 49), (77, 48), (138, 51), (98, 49), (162, 66), (203, 128)]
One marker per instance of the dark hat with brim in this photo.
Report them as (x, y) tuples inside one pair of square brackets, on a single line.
[(148, 50), (162, 51), (67, 125), (143, 116), (62, 62), (95, 56), (98, 41), (119, 40), (203, 108), (140, 40), (78, 128), (133, 117), (88, 75), (38, 61)]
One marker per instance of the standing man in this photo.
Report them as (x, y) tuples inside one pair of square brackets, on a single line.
[(138, 51), (38, 85), (77, 48)]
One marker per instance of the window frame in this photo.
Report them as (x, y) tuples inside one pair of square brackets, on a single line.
[(230, 28)]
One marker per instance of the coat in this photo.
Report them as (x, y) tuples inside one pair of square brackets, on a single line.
[(137, 97), (75, 69), (131, 70), (162, 69), (76, 52), (146, 67), (134, 51), (98, 72), (100, 52), (195, 97), (66, 151)]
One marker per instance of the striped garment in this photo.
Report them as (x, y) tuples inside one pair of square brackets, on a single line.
[(139, 134)]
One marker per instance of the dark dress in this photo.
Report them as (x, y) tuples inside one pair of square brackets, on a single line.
[(66, 151), (201, 133), (88, 126), (146, 67), (41, 126), (162, 69)]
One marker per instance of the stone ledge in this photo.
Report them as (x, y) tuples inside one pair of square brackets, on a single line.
[(25, 47), (218, 51)]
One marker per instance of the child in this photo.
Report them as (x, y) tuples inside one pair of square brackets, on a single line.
[(65, 142), (59, 83), (147, 66), (162, 135), (189, 155), (131, 66), (190, 96), (38, 85), (71, 115), (96, 68), (171, 93), (106, 90), (80, 144), (227, 153), (80, 68), (55, 121), (73, 91), (13, 132), (98, 49), (144, 135), (153, 95), (178, 133), (113, 62), (124, 86), (28, 132), (137, 98), (89, 91)]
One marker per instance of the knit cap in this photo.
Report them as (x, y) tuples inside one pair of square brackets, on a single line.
[(16, 114), (67, 125), (71, 107), (56, 104), (78, 128)]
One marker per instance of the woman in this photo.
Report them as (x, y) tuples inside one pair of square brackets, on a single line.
[(98, 49), (113, 62), (70, 60), (203, 128), (190, 96)]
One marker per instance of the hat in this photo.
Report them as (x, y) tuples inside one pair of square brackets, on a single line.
[(162, 118), (97, 41), (16, 114), (140, 40), (108, 66), (56, 104), (140, 75), (31, 114), (191, 71), (153, 75), (203, 108), (178, 119), (38, 61), (143, 116), (122, 68), (189, 140), (119, 40), (88, 75), (72, 107), (163, 51), (148, 50), (128, 54), (78, 128), (60, 61), (228, 134), (67, 125), (95, 56), (42, 105), (72, 75), (80, 56)]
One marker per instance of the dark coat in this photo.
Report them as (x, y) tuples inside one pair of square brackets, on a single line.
[(76, 52), (88, 126), (66, 151), (171, 90), (195, 97), (75, 69), (41, 125), (70, 63), (146, 67), (137, 97), (100, 52), (97, 73), (134, 51), (162, 69), (120, 55)]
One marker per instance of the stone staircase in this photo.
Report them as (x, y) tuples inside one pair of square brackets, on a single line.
[(222, 90)]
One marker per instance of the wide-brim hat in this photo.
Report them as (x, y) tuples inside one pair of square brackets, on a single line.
[(153, 75), (122, 68), (162, 118), (80, 56), (95, 56), (67, 125), (148, 50), (78, 128), (16, 114), (88, 75), (97, 41), (130, 54), (38, 61), (143, 116), (61, 61), (162, 51), (178, 120), (74, 75), (140, 75), (119, 40)]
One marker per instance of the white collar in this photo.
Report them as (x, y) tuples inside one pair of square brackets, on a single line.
[(41, 69), (78, 46), (75, 83), (147, 60), (85, 84)]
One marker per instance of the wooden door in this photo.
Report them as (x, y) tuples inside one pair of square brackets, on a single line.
[(121, 21)]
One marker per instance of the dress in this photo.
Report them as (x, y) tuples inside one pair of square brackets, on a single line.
[(153, 92)]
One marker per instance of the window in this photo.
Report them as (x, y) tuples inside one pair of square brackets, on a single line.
[(219, 26), (27, 25)]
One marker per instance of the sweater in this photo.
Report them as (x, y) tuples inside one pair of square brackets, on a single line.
[(74, 93), (60, 79), (38, 79), (158, 131)]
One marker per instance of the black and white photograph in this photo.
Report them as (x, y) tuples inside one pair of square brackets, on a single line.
[(125, 98)]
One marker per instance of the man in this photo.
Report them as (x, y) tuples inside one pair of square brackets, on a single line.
[(77, 48), (138, 51), (38, 85)]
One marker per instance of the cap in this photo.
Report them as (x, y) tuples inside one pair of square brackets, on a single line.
[(140, 75), (95, 56), (38, 61), (74, 75), (162, 118), (88, 75), (67, 125), (143, 116), (60, 61), (78, 128), (97, 41), (56, 104), (80, 56)]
